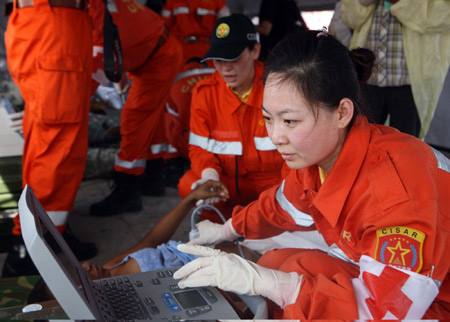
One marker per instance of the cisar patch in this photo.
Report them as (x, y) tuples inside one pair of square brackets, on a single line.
[(400, 246)]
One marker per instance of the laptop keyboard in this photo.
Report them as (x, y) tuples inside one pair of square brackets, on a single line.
[(123, 300)]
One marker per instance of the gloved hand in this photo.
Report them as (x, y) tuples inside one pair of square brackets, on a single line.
[(232, 273), (16, 121), (207, 174), (211, 233)]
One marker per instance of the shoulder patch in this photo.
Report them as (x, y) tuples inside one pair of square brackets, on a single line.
[(401, 247)]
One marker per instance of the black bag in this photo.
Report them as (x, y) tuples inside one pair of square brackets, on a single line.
[(112, 51)]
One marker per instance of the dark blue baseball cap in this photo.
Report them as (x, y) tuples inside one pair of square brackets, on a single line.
[(230, 36)]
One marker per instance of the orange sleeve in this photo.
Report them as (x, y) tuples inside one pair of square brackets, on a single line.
[(97, 14), (200, 133), (177, 135), (265, 217)]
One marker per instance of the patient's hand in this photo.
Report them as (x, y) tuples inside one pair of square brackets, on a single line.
[(210, 189), (95, 271)]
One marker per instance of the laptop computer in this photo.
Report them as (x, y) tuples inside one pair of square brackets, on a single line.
[(144, 296)]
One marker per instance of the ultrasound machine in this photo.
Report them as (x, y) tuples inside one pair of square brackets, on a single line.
[(150, 295)]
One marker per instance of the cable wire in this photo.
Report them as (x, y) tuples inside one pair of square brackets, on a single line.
[(194, 231)]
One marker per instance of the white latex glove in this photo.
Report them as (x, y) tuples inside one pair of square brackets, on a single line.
[(230, 272), (211, 233), (16, 121), (207, 174)]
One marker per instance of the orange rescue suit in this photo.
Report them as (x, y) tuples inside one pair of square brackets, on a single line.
[(49, 55), (231, 137), (152, 59), (178, 108), (192, 22), (383, 183)]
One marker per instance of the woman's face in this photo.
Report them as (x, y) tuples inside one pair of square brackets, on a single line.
[(302, 138), (239, 73)]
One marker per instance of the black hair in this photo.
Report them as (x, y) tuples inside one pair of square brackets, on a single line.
[(322, 69), (156, 5), (251, 45)]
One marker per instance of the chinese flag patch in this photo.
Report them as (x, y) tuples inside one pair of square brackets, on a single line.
[(400, 246)]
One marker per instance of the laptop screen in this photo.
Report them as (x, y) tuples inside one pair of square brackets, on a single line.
[(153, 294), (54, 259), (73, 269)]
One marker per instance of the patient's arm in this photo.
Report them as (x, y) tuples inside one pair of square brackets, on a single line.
[(166, 226), (96, 271)]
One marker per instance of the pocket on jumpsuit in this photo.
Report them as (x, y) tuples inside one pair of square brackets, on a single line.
[(63, 89)]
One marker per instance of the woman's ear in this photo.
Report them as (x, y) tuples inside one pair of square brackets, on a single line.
[(345, 112), (256, 50)]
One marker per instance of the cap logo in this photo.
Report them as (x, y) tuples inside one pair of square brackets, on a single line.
[(251, 37), (222, 30)]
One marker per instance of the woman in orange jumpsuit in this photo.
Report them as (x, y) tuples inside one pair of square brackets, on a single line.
[(377, 196), (228, 139), (152, 59)]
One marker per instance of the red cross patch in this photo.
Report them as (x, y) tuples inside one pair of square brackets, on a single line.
[(400, 246)]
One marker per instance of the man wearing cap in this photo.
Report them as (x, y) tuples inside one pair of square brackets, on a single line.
[(228, 138)]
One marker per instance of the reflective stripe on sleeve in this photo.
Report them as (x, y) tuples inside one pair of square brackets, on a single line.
[(442, 160), (165, 13), (214, 146), (335, 251), (158, 148), (204, 12), (180, 10), (298, 216), (171, 149), (59, 218), (229, 148), (140, 163), (194, 72), (264, 144), (171, 110), (198, 140)]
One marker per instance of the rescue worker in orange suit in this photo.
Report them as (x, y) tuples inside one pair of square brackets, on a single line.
[(152, 59), (49, 46), (228, 139), (376, 195), (177, 118), (192, 22)]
